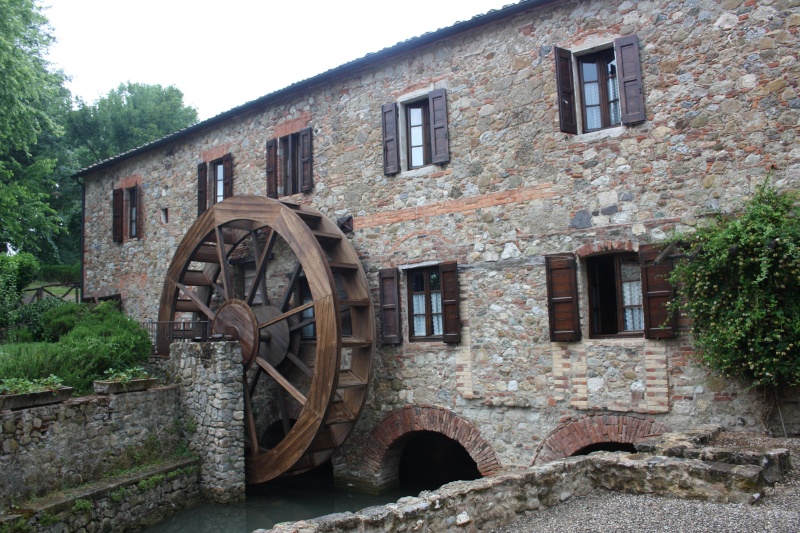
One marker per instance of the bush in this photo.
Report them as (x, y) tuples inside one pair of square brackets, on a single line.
[(31, 317), (92, 339), (16, 271), (60, 273), (742, 291)]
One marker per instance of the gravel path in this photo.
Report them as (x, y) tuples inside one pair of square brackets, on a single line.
[(605, 511)]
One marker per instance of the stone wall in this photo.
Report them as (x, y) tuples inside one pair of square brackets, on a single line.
[(720, 82), (64, 445), (209, 376)]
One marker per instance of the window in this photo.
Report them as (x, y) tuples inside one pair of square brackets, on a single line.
[(627, 296), (126, 214), (219, 184), (433, 302), (425, 138), (289, 164), (615, 294), (132, 222), (609, 89)]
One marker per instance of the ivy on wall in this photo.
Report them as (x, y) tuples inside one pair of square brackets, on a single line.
[(740, 286)]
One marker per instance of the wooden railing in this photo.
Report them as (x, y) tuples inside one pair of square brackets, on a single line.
[(162, 334), (38, 293)]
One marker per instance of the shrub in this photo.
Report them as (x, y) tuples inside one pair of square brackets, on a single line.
[(31, 317), (61, 320), (27, 386), (60, 273), (742, 291), (16, 271)]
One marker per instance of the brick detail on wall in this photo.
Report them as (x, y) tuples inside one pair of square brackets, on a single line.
[(462, 205), (656, 394), (216, 152), (292, 125), (385, 444), (573, 434)]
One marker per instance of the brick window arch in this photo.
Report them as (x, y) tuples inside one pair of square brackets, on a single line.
[(572, 435)]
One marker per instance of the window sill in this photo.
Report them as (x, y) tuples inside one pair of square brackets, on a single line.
[(632, 335), (425, 339), (420, 172), (600, 134)]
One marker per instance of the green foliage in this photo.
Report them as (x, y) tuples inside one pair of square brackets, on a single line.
[(151, 482), (46, 519), (92, 339), (81, 506), (125, 375), (119, 494), (742, 291), (31, 317), (27, 386), (16, 271), (60, 273)]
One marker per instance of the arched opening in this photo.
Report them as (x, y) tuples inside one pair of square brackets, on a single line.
[(430, 459), (606, 447)]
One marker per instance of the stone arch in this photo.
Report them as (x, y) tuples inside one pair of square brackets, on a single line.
[(573, 434), (386, 441)]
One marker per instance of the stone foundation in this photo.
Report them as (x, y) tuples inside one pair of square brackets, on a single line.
[(209, 376)]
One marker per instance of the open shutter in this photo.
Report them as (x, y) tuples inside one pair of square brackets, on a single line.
[(390, 306), (567, 116), (657, 292), (629, 78), (227, 176), (139, 211), (202, 188), (117, 207), (391, 153), (306, 160), (437, 107), (562, 298), (448, 273), (272, 168)]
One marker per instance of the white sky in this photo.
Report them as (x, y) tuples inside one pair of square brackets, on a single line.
[(222, 54)]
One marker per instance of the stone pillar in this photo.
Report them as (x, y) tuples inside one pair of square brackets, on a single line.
[(212, 403)]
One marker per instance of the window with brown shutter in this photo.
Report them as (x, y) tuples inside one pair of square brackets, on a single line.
[(272, 168), (426, 135), (391, 153), (290, 164), (227, 176), (390, 305), (562, 298), (202, 191), (117, 211), (433, 304), (134, 222), (609, 86), (657, 292), (220, 182)]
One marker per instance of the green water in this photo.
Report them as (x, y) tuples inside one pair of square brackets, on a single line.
[(271, 503)]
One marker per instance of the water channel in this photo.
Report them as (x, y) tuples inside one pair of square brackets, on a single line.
[(287, 500)]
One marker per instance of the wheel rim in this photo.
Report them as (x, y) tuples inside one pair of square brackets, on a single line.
[(315, 398)]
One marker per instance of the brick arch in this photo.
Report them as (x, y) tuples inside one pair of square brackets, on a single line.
[(572, 435), (387, 440), (607, 246)]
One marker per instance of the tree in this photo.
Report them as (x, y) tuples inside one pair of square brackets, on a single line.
[(129, 116), (29, 93), (741, 289)]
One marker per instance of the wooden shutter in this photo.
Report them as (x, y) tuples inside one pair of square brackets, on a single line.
[(562, 298), (390, 306), (448, 273), (117, 209), (272, 168), (139, 193), (227, 176), (437, 108), (657, 292), (306, 160), (391, 152), (202, 188), (567, 116), (629, 77)]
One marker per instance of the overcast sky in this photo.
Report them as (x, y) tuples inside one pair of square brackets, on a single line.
[(225, 53)]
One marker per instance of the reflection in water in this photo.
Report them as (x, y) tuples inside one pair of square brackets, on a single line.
[(298, 498)]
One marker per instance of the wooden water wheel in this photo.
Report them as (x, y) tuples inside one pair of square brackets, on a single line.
[(304, 322)]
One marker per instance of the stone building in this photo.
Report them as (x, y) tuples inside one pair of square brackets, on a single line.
[(541, 152)]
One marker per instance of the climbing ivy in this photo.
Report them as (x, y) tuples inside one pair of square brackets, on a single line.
[(740, 285)]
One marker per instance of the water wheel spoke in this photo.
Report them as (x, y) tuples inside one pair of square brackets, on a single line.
[(199, 303), (300, 364), (290, 289), (259, 281), (287, 314), (284, 410), (255, 380), (304, 323), (282, 381), (251, 423), (222, 254)]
